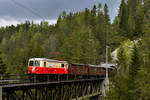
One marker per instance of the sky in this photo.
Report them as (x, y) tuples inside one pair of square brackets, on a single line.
[(18, 11)]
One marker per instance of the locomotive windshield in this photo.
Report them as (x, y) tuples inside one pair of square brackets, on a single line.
[(34, 63), (31, 63)]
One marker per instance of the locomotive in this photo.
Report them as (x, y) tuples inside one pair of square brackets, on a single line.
[(43, 68)]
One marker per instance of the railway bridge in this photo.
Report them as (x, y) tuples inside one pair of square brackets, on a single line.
[(80, 89)]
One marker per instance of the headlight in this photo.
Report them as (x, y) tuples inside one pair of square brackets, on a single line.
[(37, 69)]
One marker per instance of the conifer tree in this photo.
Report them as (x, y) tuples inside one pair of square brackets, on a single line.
[(133, 71), (146, 6), (146, 10), (139, 19), (123, 17), (2, 65), (132, 6), (131, 24), (118, 88), (93, 16), (86, 17), (106, 16), (58, 21)]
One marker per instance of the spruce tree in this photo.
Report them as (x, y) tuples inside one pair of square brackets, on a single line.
[(106, 23), (118, 89), (58, 21), (139, 19), (93, 18), (2, 65), (132, 6), (123, 18), (134, 67), (147, 11), (146, 6), (86, 17), (134, 64), (131, 24), (106, 16)]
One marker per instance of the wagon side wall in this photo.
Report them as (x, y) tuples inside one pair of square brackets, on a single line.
[(78, 69)]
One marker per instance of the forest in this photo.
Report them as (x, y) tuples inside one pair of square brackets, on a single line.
[(81, 37)]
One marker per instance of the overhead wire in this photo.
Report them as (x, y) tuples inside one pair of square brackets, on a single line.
[(28, 9)]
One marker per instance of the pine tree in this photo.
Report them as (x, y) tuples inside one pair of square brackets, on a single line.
[(133, 71), (122, 65), (86, 17), (93, 16), (139, 19), (106, 23), (147, 10), (119, 90), (64, 14), (132, 6), (106, 16), (146, 6), (58, 21), (2, 65), (143, 80), (123, 18), (131, 24)]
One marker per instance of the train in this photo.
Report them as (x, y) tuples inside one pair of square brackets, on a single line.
[(50, 69)]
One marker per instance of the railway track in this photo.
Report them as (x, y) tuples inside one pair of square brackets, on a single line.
[(23, 79), (13, 79)]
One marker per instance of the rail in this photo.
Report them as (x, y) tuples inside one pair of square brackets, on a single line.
[(25, 78), (12, 79)]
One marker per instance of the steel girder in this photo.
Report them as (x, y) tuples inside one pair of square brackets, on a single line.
[(71, 91)]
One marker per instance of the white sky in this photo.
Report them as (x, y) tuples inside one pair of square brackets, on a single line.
[(13, 13)]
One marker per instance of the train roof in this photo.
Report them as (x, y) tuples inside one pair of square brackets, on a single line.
[(90, 65), (100, 66), (50, 60), (110, 65)]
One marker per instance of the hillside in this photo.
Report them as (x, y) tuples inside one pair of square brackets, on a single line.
[(81, 37)]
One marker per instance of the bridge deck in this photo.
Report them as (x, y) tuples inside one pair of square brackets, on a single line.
[(19, 86), (62, 90)]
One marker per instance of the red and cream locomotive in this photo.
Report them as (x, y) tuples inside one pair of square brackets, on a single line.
[(53, 68), (47, 66)]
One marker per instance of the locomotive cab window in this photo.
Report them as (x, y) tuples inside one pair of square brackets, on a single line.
[(36, 63), (31, 63), (62, 65)]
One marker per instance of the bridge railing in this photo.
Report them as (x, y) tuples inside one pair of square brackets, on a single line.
[(12, 78), (25, 78)]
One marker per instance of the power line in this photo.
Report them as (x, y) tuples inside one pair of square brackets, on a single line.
[(28, 9)]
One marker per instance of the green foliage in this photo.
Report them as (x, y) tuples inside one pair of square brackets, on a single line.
[(2, 65), (131, 15), (143, 80), (134, 64), (123, 85), (106, 16), (81, 38), (139, 22), (123, 16), (77, 37), (132, 79), (81, 46)]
